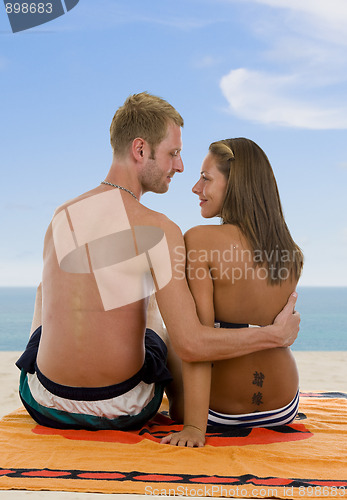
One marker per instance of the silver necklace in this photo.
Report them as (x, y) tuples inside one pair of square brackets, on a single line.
[(119, 187)]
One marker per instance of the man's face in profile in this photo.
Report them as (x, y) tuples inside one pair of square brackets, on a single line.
[(166, 161)]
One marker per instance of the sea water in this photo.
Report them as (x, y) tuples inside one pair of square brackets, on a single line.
[(323, 318)]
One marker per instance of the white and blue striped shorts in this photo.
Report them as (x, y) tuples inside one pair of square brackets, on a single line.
[(272, 418)]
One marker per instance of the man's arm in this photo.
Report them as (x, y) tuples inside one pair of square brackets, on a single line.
[(195, 342)]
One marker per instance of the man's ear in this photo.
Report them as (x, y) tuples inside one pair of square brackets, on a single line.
[(138, 149)]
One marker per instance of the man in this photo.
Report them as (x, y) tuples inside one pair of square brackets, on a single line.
[(92, 365)]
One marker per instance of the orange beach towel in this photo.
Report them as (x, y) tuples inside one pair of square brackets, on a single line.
[(305, 459)]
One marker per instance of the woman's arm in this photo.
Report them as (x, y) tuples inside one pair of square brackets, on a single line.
[(197, 375), (196, 384)]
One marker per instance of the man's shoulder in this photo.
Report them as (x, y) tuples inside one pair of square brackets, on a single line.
[(72, 201), (63, 206), (137, 215), (154, 218)]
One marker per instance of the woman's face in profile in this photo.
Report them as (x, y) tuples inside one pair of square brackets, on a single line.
[(210, 188)]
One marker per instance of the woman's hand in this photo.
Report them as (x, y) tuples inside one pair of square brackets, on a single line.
[(191, 437)]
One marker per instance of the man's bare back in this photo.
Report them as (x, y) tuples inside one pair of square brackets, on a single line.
[(83, 344)]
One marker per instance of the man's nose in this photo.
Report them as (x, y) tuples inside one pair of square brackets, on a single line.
[(179, 167)]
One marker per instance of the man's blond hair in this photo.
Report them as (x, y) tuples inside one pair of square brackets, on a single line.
[(142, 115)]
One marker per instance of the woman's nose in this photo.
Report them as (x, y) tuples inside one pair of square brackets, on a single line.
[(196, 188)]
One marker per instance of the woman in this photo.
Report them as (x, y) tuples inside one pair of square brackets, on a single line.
[(239, 272)]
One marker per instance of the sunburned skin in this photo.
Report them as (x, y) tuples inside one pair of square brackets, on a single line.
[(129, 263)]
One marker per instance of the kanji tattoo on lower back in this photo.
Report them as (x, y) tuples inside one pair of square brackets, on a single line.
[(258, 379), (257, 398)]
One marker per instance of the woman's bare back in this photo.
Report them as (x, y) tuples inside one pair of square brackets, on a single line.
[(264, 380)]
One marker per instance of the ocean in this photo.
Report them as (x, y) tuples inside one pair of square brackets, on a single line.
[(323, 318)]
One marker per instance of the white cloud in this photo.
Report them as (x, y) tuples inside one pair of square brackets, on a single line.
[(267, 98), (306, 84), (332, 14), (318, 20)]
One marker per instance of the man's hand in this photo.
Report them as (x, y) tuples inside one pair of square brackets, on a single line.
[(191, 436), (287, 322)]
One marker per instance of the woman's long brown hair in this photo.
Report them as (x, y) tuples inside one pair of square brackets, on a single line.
[(253, 204)]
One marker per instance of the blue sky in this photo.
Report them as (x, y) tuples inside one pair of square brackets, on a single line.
[(274, 71)]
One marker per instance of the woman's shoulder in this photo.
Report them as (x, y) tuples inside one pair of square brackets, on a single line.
[(209, 234), (202, 231)]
